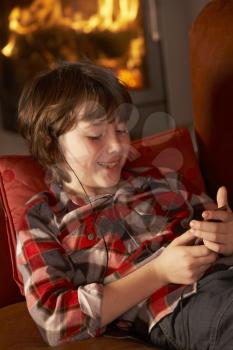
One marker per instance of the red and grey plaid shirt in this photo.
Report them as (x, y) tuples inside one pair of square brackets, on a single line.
[(67, 249)]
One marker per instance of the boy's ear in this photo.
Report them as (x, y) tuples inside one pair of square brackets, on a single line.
[(47, 141)]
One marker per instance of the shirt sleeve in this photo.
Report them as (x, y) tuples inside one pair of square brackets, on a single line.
[(62, 311)]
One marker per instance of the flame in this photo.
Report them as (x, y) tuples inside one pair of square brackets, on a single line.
[(110, 15), (132, 78), (48, 13), (9, 48), (40, 14), (137, 51)]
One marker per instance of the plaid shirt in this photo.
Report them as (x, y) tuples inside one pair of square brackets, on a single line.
[(67, 249)]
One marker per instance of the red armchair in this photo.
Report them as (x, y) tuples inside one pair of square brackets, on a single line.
[(211, 53), (20, 178)]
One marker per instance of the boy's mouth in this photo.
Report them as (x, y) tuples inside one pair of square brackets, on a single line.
[(109, 165)]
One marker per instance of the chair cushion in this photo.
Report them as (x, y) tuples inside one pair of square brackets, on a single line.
[(21, 176), (9, 291)]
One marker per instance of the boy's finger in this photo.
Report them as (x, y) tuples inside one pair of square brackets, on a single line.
[(220, 215), (216, 247), (206, 260), (198, 251), (214, 227), (186, 238), (213, 237)]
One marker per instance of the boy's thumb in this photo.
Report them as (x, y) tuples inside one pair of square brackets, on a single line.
[(222, 197), (186, 238)]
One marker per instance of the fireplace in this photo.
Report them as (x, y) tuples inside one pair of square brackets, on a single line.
[(119, 34)]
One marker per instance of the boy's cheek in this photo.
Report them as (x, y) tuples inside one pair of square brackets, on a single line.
[(126, 149)]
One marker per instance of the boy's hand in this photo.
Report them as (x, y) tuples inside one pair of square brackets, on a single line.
[(182, 263), (217, 236)]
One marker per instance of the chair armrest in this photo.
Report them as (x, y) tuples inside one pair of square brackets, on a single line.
[(15, 335)]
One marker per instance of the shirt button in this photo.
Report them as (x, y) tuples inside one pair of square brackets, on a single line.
[(90, 236)]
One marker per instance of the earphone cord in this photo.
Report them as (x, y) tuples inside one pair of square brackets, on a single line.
[(95, 218)]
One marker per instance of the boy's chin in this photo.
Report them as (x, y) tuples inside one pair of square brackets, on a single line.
[(108, 185)]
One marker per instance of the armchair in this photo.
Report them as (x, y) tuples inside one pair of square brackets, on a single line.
[(211, 54), (20, 178)]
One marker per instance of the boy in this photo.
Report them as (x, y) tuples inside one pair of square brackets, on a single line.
[(104, 247)]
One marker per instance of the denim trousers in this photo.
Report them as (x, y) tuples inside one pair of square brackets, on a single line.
[(204, 321)]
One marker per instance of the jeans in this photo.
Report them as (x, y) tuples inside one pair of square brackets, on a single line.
[(205, 320)]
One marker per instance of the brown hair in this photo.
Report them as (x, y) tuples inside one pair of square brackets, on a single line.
[(49, 105)]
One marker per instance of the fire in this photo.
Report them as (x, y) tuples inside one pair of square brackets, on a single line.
[(108, 17), (104, 16), (9, 48)]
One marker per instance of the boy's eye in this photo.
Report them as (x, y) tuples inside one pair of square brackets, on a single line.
[(94, 137), (122, 128), (123, 131), (98, 137)]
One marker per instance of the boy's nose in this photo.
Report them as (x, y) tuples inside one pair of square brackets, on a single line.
[(113, 144)]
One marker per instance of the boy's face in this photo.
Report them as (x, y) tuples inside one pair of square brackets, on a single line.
[(96, 151)]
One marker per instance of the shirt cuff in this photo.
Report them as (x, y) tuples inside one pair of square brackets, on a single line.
[(90, 299)]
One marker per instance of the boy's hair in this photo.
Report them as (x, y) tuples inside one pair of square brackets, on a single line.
[(51, 103)]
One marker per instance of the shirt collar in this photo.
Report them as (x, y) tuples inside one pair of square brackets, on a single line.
[(129, 183)]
